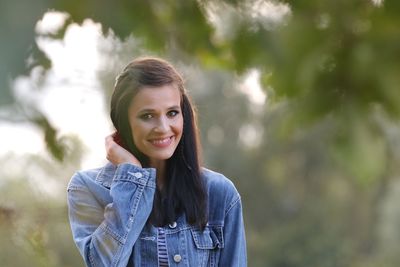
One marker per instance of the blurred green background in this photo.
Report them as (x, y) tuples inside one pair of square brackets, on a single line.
[(298, 104)]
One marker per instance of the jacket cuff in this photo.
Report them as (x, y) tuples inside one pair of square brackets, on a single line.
[(136, 174)]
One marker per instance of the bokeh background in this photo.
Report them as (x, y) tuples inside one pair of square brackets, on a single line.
[(298, 104)]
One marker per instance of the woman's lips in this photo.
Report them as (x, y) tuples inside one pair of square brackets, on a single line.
[(162, 142)]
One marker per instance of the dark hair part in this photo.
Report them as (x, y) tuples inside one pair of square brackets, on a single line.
[(185, 190)]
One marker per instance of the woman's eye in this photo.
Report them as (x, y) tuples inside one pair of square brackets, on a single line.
[(146, 116), (173, 113)]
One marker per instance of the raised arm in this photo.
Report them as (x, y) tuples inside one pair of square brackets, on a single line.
[(105, 234), (106, 222)]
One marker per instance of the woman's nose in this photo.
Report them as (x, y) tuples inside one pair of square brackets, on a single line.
[(162, 125)]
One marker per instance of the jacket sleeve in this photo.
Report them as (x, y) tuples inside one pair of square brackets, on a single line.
[(234, 252), (105, 235)]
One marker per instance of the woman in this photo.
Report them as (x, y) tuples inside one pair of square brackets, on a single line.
[(152, 204)]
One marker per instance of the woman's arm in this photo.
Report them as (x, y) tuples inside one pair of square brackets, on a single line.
[(106, 223), (105, 236), (234, 252)]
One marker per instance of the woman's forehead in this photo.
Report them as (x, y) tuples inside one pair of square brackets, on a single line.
[(160, 97)]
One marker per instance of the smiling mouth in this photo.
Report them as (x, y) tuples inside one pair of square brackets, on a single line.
[(164, 142)]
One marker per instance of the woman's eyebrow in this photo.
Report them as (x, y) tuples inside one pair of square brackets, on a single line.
[(151, 110), (174, 107), (147, 110)]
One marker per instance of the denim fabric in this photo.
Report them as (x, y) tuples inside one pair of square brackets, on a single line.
[(109, 208)]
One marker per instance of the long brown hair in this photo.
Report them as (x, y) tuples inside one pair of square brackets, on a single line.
[(185, 190)]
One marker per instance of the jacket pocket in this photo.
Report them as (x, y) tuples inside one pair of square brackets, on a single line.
[(210, 238), (207, 245)]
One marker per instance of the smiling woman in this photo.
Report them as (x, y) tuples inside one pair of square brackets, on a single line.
[(152, 204)]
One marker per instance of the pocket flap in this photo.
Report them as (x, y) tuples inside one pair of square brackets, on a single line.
[(207, 239)]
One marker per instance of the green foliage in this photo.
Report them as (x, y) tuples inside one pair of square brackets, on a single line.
[(328, 56), (55, 147)]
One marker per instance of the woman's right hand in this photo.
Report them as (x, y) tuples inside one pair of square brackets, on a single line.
[(117, 154)]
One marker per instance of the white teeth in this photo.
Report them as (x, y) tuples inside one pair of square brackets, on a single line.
[(161, 141)]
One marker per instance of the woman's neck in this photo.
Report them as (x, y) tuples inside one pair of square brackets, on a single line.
[(160, 166)]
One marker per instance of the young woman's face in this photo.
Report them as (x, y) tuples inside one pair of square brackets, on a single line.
[(156, 121)]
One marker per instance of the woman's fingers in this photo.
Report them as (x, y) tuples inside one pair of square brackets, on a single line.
[(117, 154)]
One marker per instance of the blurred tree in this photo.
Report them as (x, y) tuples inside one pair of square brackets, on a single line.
[(34, 226), (302, 207), (330, 57)]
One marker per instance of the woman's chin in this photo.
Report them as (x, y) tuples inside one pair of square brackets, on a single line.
[(160, 156)]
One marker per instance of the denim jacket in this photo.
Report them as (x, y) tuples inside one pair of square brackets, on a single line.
[(109, 209)]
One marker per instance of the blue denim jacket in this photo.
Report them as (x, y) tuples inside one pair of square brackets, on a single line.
[(108, 212)]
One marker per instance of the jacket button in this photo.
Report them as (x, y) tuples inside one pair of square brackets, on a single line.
[(172, 225), (177, 258), (138, 175)]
